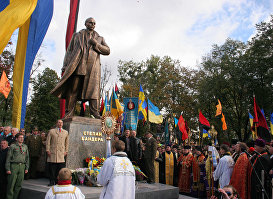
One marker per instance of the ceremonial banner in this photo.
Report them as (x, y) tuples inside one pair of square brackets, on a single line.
[(31, 35), (13, 14), (131, 112), (4, 85)]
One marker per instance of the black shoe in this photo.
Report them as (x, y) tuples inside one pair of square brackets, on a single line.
[(51, 184)]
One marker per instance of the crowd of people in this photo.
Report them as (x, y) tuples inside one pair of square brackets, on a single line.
[(236, 170), (30, 156)]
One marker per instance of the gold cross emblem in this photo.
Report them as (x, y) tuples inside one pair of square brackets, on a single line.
[(124, 164)]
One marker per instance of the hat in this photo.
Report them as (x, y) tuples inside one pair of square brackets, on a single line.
[(234, 141), (260, 142), (226, 143), (149, 131), (187, 147), (198, 148)]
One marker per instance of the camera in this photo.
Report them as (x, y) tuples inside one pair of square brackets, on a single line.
[(218, 194)]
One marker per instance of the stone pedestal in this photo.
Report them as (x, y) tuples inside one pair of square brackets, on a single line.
[(85, 140)]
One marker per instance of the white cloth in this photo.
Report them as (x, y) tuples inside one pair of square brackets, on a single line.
[(224, 170), (64, 192), (117, 176)]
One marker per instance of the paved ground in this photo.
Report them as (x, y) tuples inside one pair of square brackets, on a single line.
[(184, 197)]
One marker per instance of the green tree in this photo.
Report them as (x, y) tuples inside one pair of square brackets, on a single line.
[(6, 64), (171, 87), (225, 79), (43, 110), (259, 58)]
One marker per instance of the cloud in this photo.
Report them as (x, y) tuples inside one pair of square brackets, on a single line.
[(134, 30)]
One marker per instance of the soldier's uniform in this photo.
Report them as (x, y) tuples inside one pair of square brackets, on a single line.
[(34, 143), (17, 162)]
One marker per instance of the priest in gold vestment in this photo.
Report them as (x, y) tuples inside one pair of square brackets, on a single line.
[(169, 167)]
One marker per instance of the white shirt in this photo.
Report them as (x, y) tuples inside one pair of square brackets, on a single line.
[(224, 170), (64, 192), (117, 176)]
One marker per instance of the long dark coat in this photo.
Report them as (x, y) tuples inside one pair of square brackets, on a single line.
[(83, 59)]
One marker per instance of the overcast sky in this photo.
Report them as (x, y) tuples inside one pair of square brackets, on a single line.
[(136, 29)]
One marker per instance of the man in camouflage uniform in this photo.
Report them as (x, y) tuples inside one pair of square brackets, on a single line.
[(34, 144), (17, 164)]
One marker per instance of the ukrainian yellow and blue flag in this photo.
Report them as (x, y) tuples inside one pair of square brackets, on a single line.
[(175, 122), (142, 105), (13, 14), (206, 133), (115, 107), (153, 113), (252, 126), (32, 17)]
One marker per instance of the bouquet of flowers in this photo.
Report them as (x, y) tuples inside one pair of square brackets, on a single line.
[(94, 166), (139, 174)]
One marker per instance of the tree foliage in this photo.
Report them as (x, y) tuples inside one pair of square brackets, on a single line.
[(232, 72), (43, 110), (6, 64), (170, 86)]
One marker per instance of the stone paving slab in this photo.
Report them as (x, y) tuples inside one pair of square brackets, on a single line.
[(36, 189)]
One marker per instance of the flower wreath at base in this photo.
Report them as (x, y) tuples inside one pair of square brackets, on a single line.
[(88, 176)]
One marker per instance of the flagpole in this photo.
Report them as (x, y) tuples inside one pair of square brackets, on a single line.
[(199, 137)]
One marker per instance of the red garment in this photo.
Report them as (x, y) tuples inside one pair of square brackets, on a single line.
[(184, 176), (239, 176), (196, 168), (64, 182)]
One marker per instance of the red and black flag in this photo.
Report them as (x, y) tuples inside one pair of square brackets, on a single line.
[(203, 123), (116, 89), (101, 106), (260, 122), (71, 28)]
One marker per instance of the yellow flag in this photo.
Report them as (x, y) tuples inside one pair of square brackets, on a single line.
[(219, 108), (224, 126), (14, 16)]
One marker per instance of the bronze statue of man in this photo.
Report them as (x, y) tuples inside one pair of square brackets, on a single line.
[(82, 70)]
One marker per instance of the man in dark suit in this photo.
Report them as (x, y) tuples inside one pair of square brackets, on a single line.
[(3, 175), (12, 138), (126, 139), (149, 157), (34, 143), (136, 150)]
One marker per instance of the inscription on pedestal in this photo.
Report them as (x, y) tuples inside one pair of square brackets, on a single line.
[(85, 140)]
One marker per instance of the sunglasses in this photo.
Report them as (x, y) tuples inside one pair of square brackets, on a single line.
[(228, 193)]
